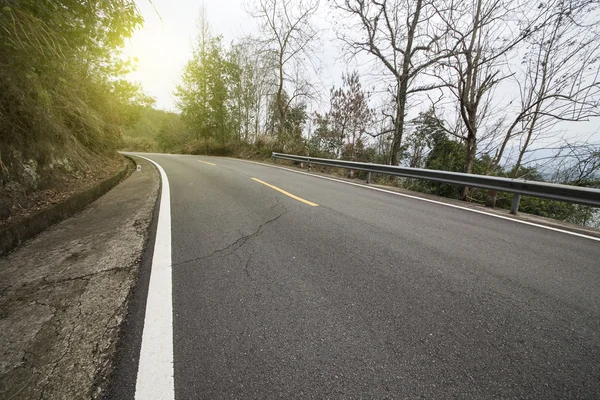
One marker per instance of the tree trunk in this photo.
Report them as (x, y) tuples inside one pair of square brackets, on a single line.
[(279, 99), (522, 151), (470, 161), (257, 120), (399, 125)]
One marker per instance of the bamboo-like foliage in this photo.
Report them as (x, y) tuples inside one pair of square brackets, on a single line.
[(60, 95)]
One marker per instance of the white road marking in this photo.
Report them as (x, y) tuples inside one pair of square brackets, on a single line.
[(155, 372), (427, 200)]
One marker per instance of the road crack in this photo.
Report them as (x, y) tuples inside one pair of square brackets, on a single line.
[(246, 268), (44, 282), (240, 242), (66, 350)]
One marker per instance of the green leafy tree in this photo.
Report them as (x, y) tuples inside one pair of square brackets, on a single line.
[(203, 91), (428, 134), (324, 140), (446, 155)]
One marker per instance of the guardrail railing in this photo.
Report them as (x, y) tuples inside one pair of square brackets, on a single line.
[(518, 187)]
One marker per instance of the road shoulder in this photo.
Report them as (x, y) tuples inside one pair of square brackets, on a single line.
[(64, 294)]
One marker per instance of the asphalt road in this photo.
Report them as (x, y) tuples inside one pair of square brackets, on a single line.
[(369, 294)]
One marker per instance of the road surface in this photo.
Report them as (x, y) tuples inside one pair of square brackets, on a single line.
[(286, 285)]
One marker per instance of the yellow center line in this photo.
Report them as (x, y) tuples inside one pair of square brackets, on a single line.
[(206, 162), (310, 203)]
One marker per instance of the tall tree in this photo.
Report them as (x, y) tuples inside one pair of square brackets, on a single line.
[(241, 90), (404, 37), (203, 90), (350, 114), (287, 39), (557, 77), (483, 33)]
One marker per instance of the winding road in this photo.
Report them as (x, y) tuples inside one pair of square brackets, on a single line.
[(287, 285)]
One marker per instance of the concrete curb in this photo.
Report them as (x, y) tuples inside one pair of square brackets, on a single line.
[(23, 229)]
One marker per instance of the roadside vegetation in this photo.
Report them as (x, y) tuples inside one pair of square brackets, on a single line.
[(442, 70), (487, 87), (63, 100)]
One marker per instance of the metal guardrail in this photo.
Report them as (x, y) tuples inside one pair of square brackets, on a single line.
[(518, 187)]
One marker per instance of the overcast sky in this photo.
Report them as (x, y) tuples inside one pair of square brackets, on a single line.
[(164, 45)]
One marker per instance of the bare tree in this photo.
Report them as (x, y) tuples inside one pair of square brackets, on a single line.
[(251, 81), (485, 32), (288, 40), (264, 81), (405, 38), (578, 165), (559, 81)]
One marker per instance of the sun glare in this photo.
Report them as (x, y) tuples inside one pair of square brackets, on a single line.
[(160, 56)]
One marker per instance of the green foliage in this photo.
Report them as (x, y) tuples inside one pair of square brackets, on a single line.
[(446, 155), (449, 155), (428, 134), (288, 131), (203, 92), (573, 213), (155, 131), (60, 95), (324, 140)]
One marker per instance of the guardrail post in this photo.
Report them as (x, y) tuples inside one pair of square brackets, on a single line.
[(369, 177), (491, 198), (514, 208)]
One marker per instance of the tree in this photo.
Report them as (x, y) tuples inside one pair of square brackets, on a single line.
[(427, 135), (292, 125), (324, 138), (287, 41), (203, 91), (244, 87), (559, 77), (260, 70), (446, 155), (483, 34), (580, 166), (349, 113), (404, 37)]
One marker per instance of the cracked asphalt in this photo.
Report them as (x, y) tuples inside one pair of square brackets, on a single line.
[(368, 295)]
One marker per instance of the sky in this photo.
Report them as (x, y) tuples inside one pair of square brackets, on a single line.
[(164, 44)]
